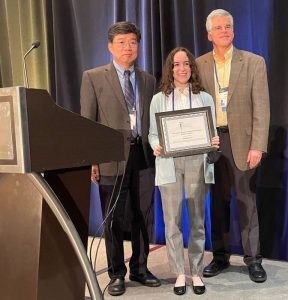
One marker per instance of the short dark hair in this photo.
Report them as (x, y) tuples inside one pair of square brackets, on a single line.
[(123, 28), (167, 80)]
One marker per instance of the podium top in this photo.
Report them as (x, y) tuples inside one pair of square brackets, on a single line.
[(37, 135)]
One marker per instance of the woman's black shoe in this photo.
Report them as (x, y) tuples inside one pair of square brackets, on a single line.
[(198, 289), (179, 290)]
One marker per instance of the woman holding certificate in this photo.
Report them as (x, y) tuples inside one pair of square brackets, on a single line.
[(181, 89)]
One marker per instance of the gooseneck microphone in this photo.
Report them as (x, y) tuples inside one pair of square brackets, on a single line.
[(34, 45)]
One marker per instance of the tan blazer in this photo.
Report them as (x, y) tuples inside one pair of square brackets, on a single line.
[(248, 109), (102, 100)]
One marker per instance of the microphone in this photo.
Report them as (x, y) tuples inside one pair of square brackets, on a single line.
[(34, 45)]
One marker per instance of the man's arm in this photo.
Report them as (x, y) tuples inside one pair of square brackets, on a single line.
[(88, 98), (261, 107), (261, 114), (88, 103)]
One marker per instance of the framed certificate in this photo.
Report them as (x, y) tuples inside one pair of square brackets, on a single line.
[(185, 132)]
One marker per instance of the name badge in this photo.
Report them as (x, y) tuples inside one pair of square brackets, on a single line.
[(132, 116), (223, 93)]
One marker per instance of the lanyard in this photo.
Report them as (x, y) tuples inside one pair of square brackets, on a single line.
[(190, 99), (135, 91), (216, 75)]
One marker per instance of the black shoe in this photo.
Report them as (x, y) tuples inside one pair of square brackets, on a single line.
[(116, 286), (257, 273), (198, 289), (147, 279), (179, 290), (215, 268)]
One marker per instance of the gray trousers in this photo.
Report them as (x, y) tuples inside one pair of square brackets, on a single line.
[(189, 176)]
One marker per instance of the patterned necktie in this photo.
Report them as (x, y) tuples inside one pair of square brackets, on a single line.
[(130, 99), (128, 91)]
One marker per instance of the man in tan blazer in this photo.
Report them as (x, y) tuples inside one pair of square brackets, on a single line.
[(237, 80), (118, 95)]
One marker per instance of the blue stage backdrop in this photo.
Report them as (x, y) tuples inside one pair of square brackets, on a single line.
[(79, 42)]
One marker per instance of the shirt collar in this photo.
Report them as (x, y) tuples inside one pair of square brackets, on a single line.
[(120, 70), (227, 55), (184, 91)]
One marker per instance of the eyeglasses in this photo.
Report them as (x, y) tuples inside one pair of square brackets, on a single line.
[(225, 27), (123, 44)]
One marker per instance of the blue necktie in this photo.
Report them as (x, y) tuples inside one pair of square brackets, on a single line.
[(128, 91), (130, 98)]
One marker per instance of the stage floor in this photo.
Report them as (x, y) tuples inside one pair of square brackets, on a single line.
[(233, 283)]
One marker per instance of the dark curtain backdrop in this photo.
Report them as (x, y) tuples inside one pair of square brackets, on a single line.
[(78, 41)]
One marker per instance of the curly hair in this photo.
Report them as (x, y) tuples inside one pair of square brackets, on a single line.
[(167, 81)]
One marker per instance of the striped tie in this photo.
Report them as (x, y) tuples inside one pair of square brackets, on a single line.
[(128, 91), (130, 98)]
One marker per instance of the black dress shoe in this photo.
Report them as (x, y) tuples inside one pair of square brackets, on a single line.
[(179, 290), (198, 289), (215, 268), (147, 279), (116, 286), (257, 273)]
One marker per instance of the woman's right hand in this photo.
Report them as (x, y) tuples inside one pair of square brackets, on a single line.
[(157, 150)]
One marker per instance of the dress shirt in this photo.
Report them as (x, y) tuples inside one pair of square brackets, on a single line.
[(223, 68)]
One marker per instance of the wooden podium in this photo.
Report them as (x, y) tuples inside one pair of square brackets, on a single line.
[(38, 137)]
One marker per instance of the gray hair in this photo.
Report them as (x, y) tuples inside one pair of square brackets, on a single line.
[(217, 13)]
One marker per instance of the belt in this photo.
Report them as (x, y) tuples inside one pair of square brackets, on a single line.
[(136, 140), (223, 129)]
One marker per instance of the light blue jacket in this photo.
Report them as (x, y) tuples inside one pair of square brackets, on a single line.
[(165, 168)]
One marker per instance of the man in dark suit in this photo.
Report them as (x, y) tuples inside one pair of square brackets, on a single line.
[(237, 80), (118, 95)]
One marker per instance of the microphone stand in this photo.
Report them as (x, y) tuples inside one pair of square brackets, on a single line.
[(34, 45)]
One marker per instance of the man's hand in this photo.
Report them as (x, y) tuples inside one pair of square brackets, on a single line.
[(254, 158), (95, 173), (157, 150)]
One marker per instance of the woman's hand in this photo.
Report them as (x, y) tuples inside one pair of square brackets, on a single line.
[(157, 150), (215, 141)]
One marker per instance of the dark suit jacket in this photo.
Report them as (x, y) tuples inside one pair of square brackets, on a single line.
[(248, 109), (102, 100)]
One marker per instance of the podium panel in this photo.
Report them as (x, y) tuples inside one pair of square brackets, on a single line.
[(37, 135), (38, 258)]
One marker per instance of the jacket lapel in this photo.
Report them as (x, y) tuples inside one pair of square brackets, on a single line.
[(113, 80), (209, 75), (236, 66), (140, 82)]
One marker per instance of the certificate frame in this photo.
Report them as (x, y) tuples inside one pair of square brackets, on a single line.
[(185, 132)]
